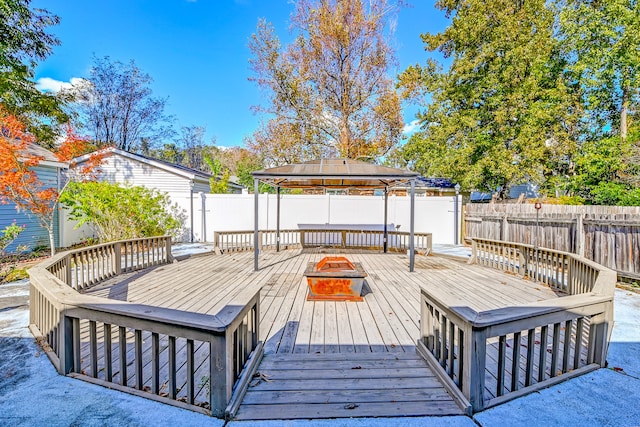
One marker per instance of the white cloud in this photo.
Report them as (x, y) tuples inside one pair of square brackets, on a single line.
[(412, 127), (47, 84)]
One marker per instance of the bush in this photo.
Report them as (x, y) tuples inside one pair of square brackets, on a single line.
[(8, 235), (122, 212)]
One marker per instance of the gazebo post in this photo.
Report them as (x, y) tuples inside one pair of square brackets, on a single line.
[(386, 205), (412, 249), (278, 219), (256, 250)]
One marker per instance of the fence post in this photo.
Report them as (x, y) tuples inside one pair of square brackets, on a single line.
[(580, 235), (302, 238), (505, 228)]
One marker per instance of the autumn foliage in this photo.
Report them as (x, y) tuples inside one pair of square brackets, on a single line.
[(19, 182)]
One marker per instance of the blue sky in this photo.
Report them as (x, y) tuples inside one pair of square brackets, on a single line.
[(196, 51)]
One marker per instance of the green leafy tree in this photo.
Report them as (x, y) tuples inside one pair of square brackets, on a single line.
[(219, 182), (601, 170), (500, 113), (601, 40), (24, 41), (119, 212)]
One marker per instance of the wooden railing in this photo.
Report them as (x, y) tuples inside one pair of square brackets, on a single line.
[(490, 357), (196, 361), (236, 241)]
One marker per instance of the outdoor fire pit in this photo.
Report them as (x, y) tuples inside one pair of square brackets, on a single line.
[(335, 279)]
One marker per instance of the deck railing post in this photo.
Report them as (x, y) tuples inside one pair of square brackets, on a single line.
[(167, 243), (67, 272), (475, 357), (65, 344), (426, 323), (474, 252), (117, 258), (219, 391), (522, 263)]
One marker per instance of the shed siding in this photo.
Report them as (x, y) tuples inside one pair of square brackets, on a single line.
[(121, 169), (34, 234)]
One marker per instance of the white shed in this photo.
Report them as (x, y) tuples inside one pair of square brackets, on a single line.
[(185, 186)]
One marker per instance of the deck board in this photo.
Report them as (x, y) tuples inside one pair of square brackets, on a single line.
[(312, 347)]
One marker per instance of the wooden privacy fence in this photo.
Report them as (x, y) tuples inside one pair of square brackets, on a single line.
[(195, 361), (608, 235), (493, 356), (235, 241)]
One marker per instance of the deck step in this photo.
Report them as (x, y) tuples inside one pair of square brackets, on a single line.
[(339, 385)]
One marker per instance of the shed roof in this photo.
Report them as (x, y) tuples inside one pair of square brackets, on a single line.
[(334, 173)]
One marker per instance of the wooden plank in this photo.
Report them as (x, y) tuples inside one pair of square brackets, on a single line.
[(360, 340), (268, 364), (344, 328), (331, 340), (348, 384), (356, 371), (341, 396), (360, 409), (316, 341)]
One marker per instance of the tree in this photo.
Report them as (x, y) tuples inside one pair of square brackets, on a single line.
[(328, 90), (601, 40), (219, 182), (24, 41), (116, 106), (501, 113), (121, 212), (19, 182), (192, 142)]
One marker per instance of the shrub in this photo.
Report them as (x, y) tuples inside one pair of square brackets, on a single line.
[(8, 235), (122, 212)]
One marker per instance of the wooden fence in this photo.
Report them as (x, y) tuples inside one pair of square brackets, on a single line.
[(398, 241), (195, 361), (608, 235), (490, 357)]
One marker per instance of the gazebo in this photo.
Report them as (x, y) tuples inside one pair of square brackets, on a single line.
[(335, 174)]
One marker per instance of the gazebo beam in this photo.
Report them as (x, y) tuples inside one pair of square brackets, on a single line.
[(412, 249), (278, 219), (256, 246), (386, 210)]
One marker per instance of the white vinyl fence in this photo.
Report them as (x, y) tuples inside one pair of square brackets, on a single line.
[(234, 212)]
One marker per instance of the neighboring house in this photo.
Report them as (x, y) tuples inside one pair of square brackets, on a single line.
[(49, 173), (135, 169), (424, 187), (182, 184), (526, 191)]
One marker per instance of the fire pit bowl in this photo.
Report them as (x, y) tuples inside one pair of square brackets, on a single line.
[(335, 279)]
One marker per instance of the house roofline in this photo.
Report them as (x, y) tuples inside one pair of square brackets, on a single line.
[(192, 174)]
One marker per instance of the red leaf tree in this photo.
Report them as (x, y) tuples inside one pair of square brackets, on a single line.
[(19, 182)]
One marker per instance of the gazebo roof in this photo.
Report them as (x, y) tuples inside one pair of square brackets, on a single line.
[(334, 173)]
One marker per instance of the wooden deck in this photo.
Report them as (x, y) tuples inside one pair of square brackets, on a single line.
[(330, 359)]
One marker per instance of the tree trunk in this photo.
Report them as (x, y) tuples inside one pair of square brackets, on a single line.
[(52, 241), (624, 109)]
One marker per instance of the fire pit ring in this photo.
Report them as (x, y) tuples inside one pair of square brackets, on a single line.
[(335, 279)]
